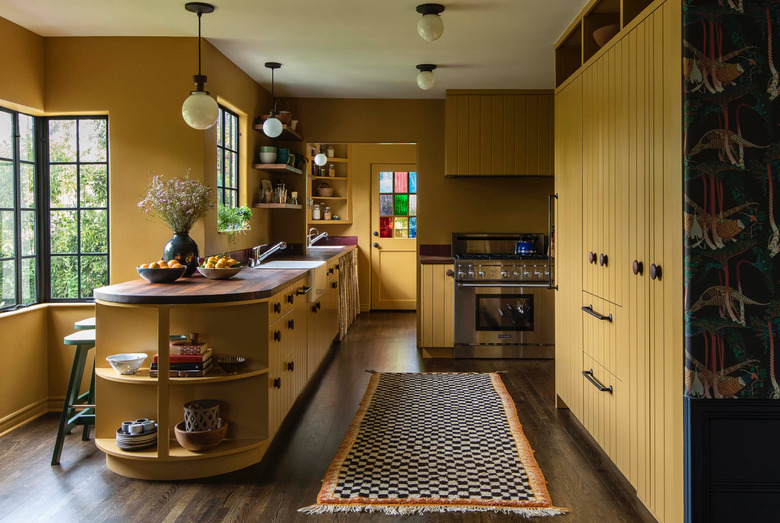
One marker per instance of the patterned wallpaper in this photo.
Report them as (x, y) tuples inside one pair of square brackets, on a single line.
[(732, 176)]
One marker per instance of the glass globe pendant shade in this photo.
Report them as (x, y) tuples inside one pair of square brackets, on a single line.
[(200, 110), (320, 159), (272, 127), (430, 27), (425, 80)]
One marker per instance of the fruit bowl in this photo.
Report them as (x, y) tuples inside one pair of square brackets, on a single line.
[(161, 275), (128, 363), (219, 274), (201, 440)]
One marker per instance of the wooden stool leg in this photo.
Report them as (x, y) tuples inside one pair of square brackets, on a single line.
[(90, 401), (74, 384)]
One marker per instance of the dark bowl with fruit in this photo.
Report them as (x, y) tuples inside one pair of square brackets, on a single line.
[(161, 275)]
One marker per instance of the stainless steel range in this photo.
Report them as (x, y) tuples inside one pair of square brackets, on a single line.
[(504, 302)]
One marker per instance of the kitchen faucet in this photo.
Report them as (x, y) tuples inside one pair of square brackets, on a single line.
[(257, 258), (314, 236)]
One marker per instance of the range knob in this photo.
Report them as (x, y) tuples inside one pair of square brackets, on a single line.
[(481, 273), (515, 274), (504, 274), (537, 273), (461, 274)]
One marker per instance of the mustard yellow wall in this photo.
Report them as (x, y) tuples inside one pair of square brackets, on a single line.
[(22, 66)]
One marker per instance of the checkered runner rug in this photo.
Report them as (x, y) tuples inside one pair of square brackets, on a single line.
[(439, 442)]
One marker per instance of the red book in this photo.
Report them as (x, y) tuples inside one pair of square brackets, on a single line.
[(193, 358)]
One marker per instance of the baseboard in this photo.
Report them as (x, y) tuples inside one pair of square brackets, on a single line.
[(23, 416), (55, 403), (437, 352), (731, 457), (364, 307)]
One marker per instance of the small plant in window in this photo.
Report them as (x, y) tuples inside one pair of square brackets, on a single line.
[(233, 221)]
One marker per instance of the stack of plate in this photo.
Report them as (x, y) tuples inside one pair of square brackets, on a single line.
[(136, 441)]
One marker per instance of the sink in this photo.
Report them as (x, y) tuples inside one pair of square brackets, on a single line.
[(324, 247), (281, 264)]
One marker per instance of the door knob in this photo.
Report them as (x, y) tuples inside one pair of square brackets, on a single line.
[(655, 272), (602, 260), (376, 233), (637, 268), (591, 257), (376, 245)]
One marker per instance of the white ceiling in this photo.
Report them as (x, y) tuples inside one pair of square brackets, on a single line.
[(338, 48)]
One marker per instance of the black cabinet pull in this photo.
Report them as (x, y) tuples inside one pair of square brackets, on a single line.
[(376, 245), (278, 336), (277, 307), (334, 285), (330, 271), (589, 310), (637, 268), (303, 290), (450, 273), (290, 298), (277, 383), (591, 257), (291, 324), (314, 307), (337, 266), (596, 383), (291, 366), (603, 260), (655, 272), (319, 305)]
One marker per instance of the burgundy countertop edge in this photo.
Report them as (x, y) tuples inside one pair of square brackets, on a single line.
[(426, 259), (436, 249)]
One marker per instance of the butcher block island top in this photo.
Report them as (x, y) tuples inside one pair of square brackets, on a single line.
[(249, 284)]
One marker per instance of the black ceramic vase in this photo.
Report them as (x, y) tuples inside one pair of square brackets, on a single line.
[(184, 249)]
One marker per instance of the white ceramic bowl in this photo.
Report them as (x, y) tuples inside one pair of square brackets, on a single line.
[(268, 157), (126, 363)]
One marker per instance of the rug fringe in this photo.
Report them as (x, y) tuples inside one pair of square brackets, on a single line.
[(395, 510)]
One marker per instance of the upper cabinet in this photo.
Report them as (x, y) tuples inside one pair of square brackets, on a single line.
[(499, 133)]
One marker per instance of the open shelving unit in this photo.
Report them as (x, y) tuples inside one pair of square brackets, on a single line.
[(341, 201), (279, 168)]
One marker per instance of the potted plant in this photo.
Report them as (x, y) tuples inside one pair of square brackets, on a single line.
[(233, 221), (178, 203)]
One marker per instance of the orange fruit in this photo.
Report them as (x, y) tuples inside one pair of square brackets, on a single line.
[(154, 265), (144, 265)]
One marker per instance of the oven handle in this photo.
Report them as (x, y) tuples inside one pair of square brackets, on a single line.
[(544, 285)]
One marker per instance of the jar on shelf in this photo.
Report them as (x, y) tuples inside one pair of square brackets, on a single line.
[(316, 213), (332, 170), (330, 151), (328, 215)]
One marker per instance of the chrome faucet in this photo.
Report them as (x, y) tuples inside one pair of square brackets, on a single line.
[(314, 236), (257, 258)]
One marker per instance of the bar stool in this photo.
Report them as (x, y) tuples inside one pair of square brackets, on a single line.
[(84, 340), (85, 325)]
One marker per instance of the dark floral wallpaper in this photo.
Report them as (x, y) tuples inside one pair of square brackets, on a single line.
[(732, 177)]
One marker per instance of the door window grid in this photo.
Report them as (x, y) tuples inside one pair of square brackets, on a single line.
[(398, 204), (227, 158)]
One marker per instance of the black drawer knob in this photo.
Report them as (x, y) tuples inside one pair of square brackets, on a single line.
[(655, 272), (591, 257), (290, 298), (603, 260), (334, 285), (277, 307), (637, 268), (278, 336), (277, 383), (291, 324), (291, 366), (450, 273)]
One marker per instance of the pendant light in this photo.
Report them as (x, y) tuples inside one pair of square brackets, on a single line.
[(430, 26), (320, 159), (199, 110), (426, 78), (272, 127)]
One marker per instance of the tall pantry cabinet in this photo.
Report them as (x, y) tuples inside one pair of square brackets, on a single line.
[(618, 147)]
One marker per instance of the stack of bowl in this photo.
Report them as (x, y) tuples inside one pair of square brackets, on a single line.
[(136, 435), (267, 154), (202, 428)]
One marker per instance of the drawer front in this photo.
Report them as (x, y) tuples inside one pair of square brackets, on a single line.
[(299, 293), (602, 328), (601, 412)]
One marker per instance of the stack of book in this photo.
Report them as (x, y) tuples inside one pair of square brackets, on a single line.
[(189, 364)]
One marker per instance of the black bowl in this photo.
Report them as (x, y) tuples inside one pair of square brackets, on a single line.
[(232, 364), (161, 275)]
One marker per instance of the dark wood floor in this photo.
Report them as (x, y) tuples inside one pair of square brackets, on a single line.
[(579, 475)]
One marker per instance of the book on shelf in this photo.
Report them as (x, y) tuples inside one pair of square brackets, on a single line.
[(196, 365), (188, 358), (183, 373), (186, 348)]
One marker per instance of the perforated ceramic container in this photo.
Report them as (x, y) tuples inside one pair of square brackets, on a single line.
[(201, 415)]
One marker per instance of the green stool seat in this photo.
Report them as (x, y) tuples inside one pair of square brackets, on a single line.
[(79, 409), (88, 324)]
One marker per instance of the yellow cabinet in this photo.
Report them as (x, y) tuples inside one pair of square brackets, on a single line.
[(278, 347), (496, 133), (437, 305)]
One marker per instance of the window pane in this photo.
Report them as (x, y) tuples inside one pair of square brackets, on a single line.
[(401, 227), (64, 232), (385, 227), (7, 234), (6, 135), (413, 182), (94, 231), (412, 205), (26, 138), (29, 292), (401, 204), (385, 204), (220, 138), (401, 182), (62, 180), (62, 140), (94, 274), (221, 196), (220, 177), (27, 185), (93, 141), (6, 184), (28, 233), (230, 174), (64, 277), (94, 186), (412, 227), (230, 130), (385, 182), (7, 283)]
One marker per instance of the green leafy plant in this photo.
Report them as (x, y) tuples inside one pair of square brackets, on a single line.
[(233, 221)]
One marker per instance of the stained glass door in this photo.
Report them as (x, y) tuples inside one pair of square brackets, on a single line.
[(394, 240)]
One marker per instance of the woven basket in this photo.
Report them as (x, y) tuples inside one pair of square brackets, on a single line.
[(324, 191)]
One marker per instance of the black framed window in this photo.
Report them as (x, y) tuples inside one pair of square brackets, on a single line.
[(227, 158), (19, 265), (78, 239)]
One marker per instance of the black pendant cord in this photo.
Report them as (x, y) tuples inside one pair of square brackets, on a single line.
[(200, 14), (273, 95)]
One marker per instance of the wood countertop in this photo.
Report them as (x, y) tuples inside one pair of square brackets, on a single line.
[(249, 284)]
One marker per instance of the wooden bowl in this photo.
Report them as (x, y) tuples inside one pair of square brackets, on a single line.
[(203, 440), (161, 275), (219, 274), (602, 35)]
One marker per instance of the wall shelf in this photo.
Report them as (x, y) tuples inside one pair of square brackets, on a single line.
[(142, 376), (330, 222), (288, 135), (329, 198), (329, 177), (340, 164), (277, 206), (282, 168)]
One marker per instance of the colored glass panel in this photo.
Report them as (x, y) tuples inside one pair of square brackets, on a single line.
[(401, 204), (401, 182), (401, 227), (412, 182), (385, 182), (386, 227), (385, 205), (412, 227), (412, 205)]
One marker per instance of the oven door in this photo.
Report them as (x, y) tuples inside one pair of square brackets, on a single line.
[(503, 314)]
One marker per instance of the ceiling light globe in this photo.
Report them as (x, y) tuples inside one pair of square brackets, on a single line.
[(320, 159), (425, 80), (272, 127), (200, 110), (430, 27)]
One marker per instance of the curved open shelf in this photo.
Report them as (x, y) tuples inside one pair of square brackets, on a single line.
[(142, 376), (177, 452)]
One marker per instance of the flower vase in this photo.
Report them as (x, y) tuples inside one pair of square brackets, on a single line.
[(184, 249)]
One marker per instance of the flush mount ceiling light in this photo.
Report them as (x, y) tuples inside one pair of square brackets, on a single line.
[(272, 127), (426, 78), (199, 110), (430, 26)]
